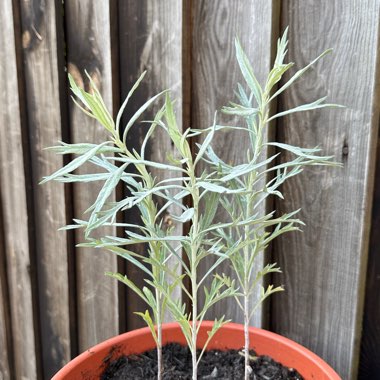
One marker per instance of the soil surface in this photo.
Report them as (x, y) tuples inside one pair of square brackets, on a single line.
[(221, 365)]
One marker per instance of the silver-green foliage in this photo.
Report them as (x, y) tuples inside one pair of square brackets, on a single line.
[(210, 183), (258, 178), (122, 165)]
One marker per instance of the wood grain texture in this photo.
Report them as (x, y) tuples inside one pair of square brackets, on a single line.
[(324, 267), (89, 48), (369, 368), (14, 207), (5, 373), (215, 74), (42, 53), (150, 40), (6, 360)]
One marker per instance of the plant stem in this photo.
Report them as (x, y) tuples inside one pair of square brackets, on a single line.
[(248, 211), (159, 336), (246, 301), (246, 337), (153, 248), (194, 325), (194, 286)]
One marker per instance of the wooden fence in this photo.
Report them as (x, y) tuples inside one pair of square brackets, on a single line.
[(54, 299)]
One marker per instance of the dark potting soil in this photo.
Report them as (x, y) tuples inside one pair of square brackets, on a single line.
[(221, 365)]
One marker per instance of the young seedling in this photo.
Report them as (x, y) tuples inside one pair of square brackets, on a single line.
[(261, 177)]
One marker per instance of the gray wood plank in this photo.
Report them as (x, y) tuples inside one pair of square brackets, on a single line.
[(14, 207), (6, 353), (324, 267), (369, 354), (88, 27), (151, 40), (5, 373), (43, 53), (215, 74)]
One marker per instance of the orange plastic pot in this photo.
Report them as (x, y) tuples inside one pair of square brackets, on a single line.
[(92, 363)]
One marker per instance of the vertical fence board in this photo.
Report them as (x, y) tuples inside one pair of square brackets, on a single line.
[(324, 267), (370, 355), (14, 205), (215, 74), (5, 353), (89, 48), (151, 40), (5, 320), (42, 49)]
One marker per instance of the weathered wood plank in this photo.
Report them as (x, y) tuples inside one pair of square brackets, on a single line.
[(88, 26), (215, 73), (14, 207), (324, 267), (5, 373), (6, 361), (151, 40), (43, 53), (370, 355)]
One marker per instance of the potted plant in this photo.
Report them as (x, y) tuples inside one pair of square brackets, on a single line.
[(237, 189)]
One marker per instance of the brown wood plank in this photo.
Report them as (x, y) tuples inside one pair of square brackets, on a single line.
[(150, 40), (215, 74), (6, 353), (324, 267), (369, 368), (14, 207), (43, 53), (88, 31)]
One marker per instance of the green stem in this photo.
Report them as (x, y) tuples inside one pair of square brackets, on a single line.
[(247, 267), (159, 336), (154, 250), (246, 337), (194, 238), (246, 293)]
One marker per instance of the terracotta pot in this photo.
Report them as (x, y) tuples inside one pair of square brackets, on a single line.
[(91, 363)]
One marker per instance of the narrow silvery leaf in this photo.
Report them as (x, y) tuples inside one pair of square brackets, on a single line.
[(298, 74), (133, 261), (206, 142), (108, 188), (148, 320), (83, 177), (247, 72), (130, 93), (146, 239), (105, 192), (152, 128), (124, 279), (74, 164), (138, 113), (82, 148), (79, 92), (186, 216), (100, 106), (147, 163), (307, 107), (243, 169), (302, 152), (282, 44), (243, 96), (211, 206), (239, 110), (212, 187)]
